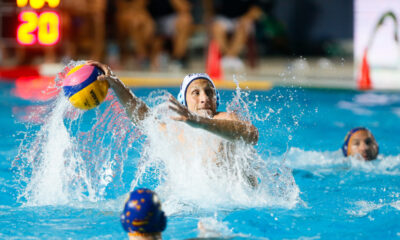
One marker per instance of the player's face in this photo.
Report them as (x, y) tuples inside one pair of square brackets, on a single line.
[(201, 98), (362, 142)]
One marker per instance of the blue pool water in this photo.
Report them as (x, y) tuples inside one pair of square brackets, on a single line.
[(64, 173)]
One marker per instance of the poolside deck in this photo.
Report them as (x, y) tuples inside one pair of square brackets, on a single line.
[(318, 72), (310, 73)]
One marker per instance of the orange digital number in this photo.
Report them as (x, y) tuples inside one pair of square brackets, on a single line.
[(48, 28), (45, 26), (37, 4), (25, 31)]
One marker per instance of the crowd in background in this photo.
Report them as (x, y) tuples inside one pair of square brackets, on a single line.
[(153, 34)]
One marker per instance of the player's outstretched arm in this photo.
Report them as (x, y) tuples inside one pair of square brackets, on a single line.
[(227, 125), (135, 108)]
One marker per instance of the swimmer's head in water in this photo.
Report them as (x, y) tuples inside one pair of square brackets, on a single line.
[(360, 141), (186, 98), (142, 213)]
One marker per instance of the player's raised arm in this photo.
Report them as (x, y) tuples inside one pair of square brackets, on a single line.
[(135, 108)]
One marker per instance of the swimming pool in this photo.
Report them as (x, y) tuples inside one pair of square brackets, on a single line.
[(64, 173)]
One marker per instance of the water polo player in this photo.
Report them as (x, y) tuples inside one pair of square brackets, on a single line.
[(142, 216), (360, 141), (197, 106)]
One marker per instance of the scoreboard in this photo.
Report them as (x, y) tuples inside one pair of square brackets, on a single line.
[(30, 22), (36, 26)]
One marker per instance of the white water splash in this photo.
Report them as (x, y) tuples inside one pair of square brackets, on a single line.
[(64, 163), (375, 99), (57, 174), (196, 169), (210, 227), (396, 204), (361, 103), (363, 208), (331, 162)]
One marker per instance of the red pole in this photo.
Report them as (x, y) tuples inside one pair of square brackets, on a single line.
[(364, 80), (213, 65)]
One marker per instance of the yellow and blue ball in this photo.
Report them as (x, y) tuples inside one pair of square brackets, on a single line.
[(82, 88)]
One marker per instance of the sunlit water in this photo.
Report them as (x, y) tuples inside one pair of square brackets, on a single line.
[(65, 172)]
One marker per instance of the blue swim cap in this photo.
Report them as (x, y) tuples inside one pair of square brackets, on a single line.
[(142, 213), (345, 145), (189, 79)]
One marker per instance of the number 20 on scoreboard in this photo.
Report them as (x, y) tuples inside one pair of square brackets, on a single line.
[(38, 27)]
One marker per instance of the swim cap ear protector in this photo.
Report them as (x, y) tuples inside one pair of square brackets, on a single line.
[(345, 146), (189, 79), (142, 213)]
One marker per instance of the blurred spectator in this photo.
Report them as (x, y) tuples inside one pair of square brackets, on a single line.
[(235, 18), (148, 23), (174, 22), (135, 24), (84, 27)]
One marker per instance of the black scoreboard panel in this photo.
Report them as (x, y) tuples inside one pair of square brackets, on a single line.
[(33, 23)]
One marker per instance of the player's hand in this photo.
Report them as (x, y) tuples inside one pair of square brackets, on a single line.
[(106, 69), (184, 114), (108, 75)]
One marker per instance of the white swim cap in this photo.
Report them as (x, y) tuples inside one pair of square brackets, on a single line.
[(189, 79)]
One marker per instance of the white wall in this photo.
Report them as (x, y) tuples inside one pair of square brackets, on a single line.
[(384, 51)]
